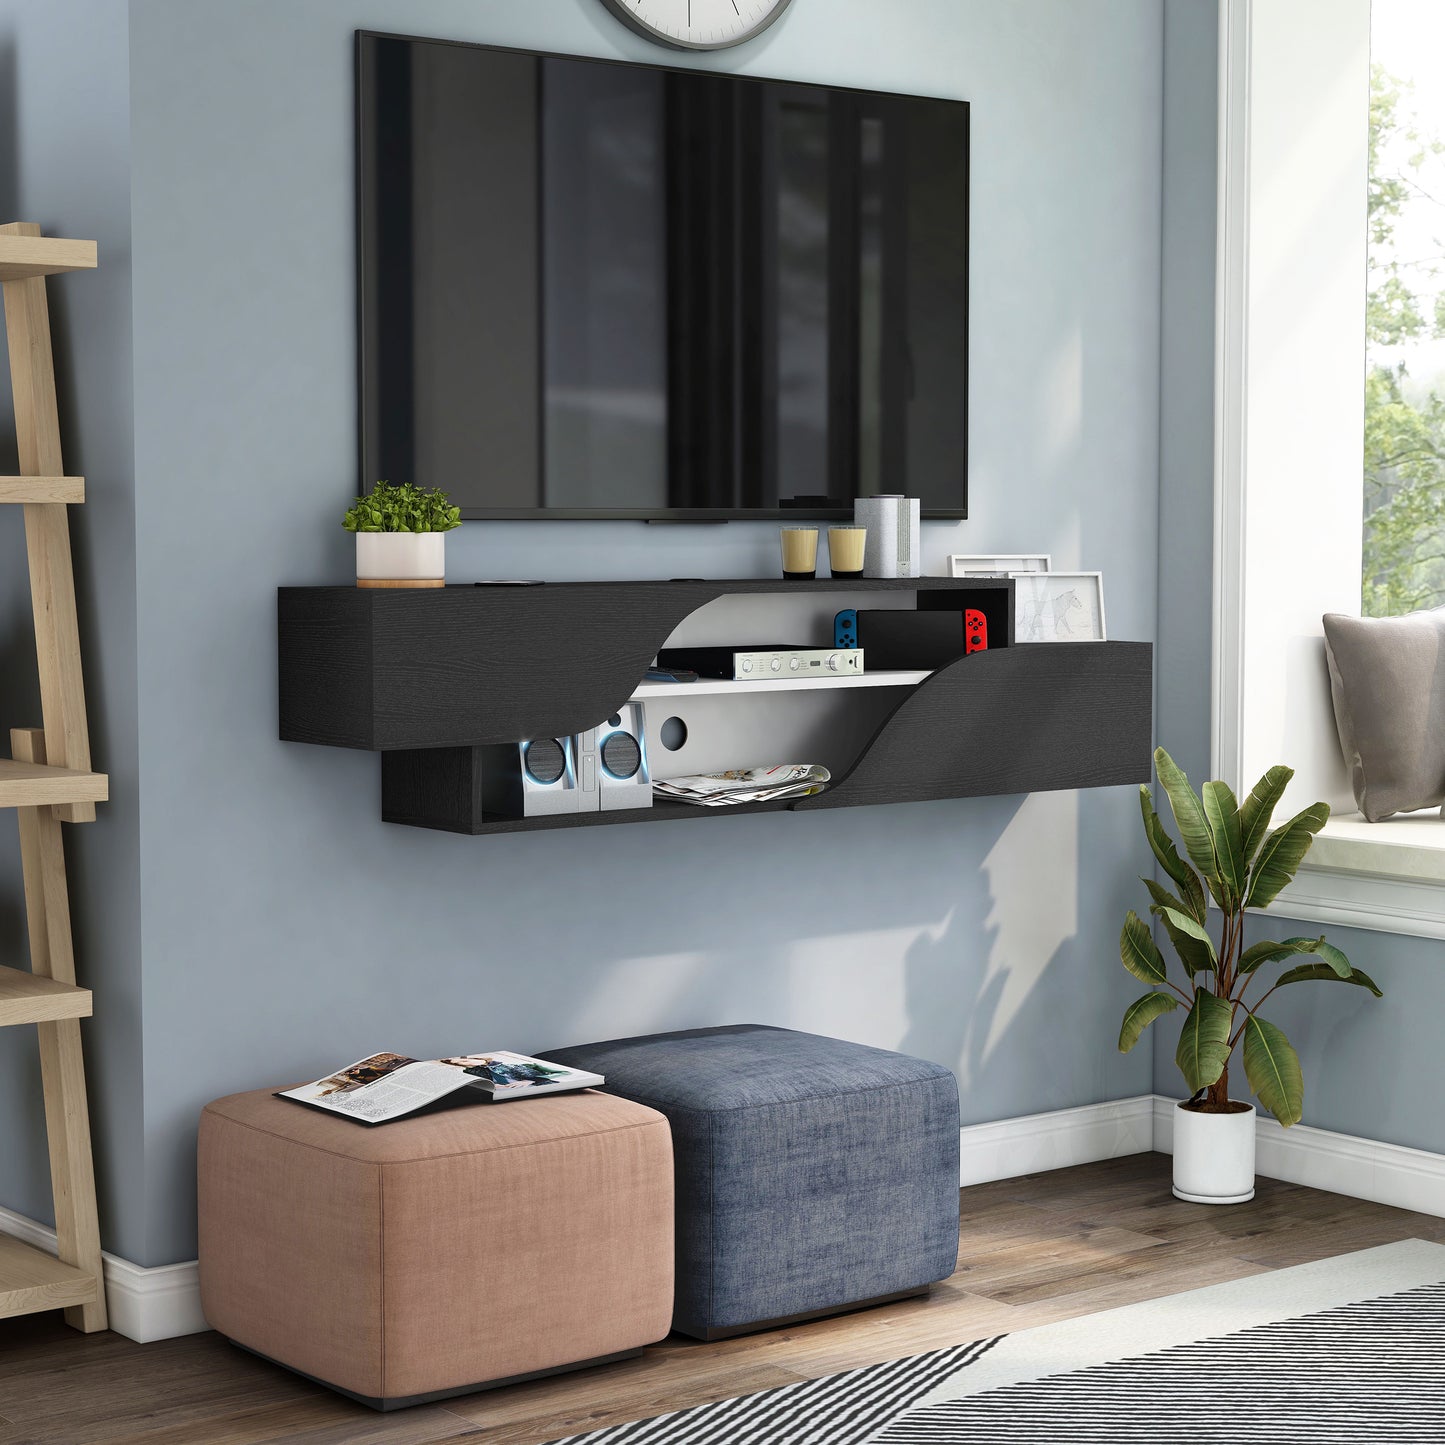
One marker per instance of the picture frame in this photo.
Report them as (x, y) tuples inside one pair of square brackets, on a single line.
[(1059, 607), (1006, 565)]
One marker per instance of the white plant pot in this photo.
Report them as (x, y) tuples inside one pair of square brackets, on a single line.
[(1213, 1156), (401, 559)]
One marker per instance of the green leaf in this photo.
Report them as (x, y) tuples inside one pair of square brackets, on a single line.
[(1221, 814), (1282, 853), (1204, 1041), (1169, 859), (1185, 924), (1141, 1013), (1162, 897), (1139, 952), (1326, 974), (1188, 815), (1195, 953), (1334, 958), (1258, 954), (1272, 1067), (1257, 809)]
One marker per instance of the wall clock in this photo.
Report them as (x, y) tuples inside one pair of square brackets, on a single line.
[(698, 24)]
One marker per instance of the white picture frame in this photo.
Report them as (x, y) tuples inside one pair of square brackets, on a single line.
[(1007, 565), (1059, 607)]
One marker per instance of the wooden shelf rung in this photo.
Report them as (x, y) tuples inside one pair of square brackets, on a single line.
[(22, 257), (31, 1280), (42, 489), (32, 785), (27, 998)]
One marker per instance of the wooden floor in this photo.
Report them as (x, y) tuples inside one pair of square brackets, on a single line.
[(1034, 1250)]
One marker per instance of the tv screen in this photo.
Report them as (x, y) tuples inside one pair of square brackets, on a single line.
[(594, 289)]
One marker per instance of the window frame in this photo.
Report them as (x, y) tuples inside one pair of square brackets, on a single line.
[(1289, 402)]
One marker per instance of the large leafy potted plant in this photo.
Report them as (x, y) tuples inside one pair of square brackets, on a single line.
[(1240, 863), (401, 535)]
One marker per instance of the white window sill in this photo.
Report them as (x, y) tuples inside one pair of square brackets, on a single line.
[(1387, 876)]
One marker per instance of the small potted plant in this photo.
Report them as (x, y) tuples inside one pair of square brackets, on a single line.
[(401, 535), (1243, 864)]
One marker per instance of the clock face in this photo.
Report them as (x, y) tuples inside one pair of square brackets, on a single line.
[(698, 24)]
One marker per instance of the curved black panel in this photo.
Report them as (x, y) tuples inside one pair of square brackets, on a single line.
[(1023, 719)]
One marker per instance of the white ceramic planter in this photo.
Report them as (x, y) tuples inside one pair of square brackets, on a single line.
[(401, 559), (1213, 1156)]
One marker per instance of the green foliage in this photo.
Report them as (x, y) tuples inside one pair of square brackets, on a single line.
[(1139, 952), (1169, 859), (1141, 1013), (402, 509), (1196, 953), (1204, 1046), (1244, 865), (1404, 529), (1272, 1068)]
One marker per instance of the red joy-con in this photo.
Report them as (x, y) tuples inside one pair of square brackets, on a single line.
[(975, 631)]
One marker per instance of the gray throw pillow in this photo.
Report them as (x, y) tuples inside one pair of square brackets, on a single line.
[(1387, 677)]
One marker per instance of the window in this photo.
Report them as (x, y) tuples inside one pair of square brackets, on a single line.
[(1295, 179), (1404, 493)]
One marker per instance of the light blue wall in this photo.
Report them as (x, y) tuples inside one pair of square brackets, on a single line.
[(65, 162), (282, 926), (285, 927), (1186, 381), (1186, 411)]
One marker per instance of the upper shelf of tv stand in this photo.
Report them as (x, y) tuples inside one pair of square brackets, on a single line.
[(426, 676), (388, 668)]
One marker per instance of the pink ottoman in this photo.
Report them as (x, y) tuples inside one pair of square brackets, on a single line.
[(474, 1246)]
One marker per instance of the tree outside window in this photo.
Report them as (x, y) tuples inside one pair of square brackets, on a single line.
[(1404, 493)]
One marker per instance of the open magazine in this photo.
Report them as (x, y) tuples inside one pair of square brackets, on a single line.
[(388, 1086), (745, 785)]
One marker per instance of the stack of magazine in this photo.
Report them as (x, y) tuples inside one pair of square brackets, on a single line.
[(388, 1086), (745, 785)]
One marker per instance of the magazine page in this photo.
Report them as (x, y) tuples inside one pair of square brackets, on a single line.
[(745, 785), (382, 1087), (504, 1074)]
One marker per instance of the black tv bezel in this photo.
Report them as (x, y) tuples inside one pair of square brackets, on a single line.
[(637, 514)]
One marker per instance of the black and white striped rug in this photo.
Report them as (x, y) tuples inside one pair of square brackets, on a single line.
[(1347, 1351), (842, 1409)]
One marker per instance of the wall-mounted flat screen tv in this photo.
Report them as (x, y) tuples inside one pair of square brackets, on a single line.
[(594, 289)]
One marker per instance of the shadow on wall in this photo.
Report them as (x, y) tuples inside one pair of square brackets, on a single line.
[(1024, 1002)]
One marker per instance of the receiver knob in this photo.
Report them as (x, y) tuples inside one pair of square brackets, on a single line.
[(833, 663)]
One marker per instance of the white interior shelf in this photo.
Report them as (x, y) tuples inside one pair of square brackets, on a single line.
[(713, 687)]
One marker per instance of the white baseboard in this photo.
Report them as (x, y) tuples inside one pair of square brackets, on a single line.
[(144, 1304), (1039, 1142), (1340, 1163), (162, 1303)]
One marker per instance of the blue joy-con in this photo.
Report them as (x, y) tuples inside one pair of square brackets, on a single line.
[(845, 628)]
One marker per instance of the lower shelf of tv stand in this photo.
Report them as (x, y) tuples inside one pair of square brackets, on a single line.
[(658, 813), (1016, 720)]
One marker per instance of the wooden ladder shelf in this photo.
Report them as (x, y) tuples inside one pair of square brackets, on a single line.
[(48, 780)]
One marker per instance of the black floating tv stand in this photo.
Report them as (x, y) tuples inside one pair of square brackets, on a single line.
[(430, 678)]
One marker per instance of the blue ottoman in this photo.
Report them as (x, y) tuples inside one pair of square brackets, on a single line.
[(812, 1175)]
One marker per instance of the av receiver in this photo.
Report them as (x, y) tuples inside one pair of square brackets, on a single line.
[(767, 663)]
